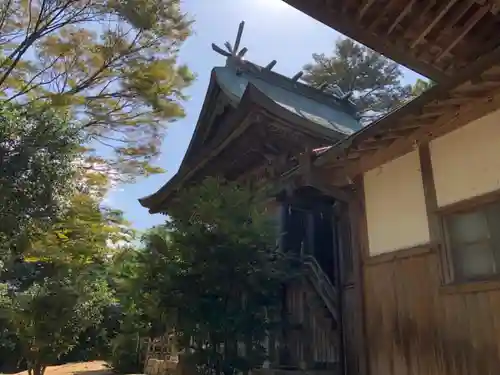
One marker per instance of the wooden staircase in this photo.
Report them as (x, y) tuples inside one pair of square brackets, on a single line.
[(323, 286), (312, 342)]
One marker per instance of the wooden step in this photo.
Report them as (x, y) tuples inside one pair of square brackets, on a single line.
[(335, 371)]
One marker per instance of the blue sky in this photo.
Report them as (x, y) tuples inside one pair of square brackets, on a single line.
[(273, 30)]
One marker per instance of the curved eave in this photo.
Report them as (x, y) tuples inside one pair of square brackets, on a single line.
[(156, 201), (290, 119), (252, 101), (210, 97), (152, 200)]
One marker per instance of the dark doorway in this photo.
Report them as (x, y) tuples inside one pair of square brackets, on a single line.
[(309, 227)]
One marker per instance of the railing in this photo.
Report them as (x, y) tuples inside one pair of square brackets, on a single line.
[(322, 284), (161, 348)]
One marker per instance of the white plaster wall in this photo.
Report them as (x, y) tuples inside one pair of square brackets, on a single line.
[(466, 162), (395, 205)]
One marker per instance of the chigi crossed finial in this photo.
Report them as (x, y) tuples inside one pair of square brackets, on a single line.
[(232, 52)]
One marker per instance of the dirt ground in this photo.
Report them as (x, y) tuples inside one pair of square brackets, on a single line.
[(81, 368)]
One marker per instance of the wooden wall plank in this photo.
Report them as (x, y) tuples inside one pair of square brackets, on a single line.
[(372, 320), (429, 284), (415, 326), (488, 347), (453, 362), (359, 250), (411, 341), (494, 301), (385, 365), (401, 359)]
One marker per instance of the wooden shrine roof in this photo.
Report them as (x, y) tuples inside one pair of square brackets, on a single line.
[(436, 38), (265, 116)]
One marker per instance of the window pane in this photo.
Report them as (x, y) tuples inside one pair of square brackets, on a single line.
[(493, 217), (467, 227), (474, 260)]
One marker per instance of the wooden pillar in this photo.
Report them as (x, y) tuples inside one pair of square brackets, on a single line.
[(309, 237), (307, 327), (283, 214), (431, 206), (359, 243), (284, 342)]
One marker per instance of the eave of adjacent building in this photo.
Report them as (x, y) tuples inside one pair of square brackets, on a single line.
[(443, 108), (434, 38)]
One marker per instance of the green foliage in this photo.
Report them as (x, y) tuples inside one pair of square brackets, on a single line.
[(56, 242), (48, 317), (421, 86), (373, 80), (112, 65), (126, 353), (37, 151), (217, 276), (139, 311), (82, 234)]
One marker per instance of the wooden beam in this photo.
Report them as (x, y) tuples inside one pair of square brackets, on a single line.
[(425, 116), (346, 25), (389, 137), (478, 88), (401, 15), (364, 8), (421, 18), (431, 206), (447, 102), (492, 74), (439, 92), (427, 132), (387, 9), (440, 14), (360, 251), (455, 17), (467, 27), (375, 147), (324, 185)]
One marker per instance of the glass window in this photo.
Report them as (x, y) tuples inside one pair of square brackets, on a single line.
[(474, 242)]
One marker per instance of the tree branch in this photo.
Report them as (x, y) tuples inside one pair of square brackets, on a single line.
[(26, 88)]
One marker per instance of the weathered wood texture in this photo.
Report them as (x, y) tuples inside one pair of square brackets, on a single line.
[(415, 326), (312, 329), (442, 109), (351, 331), (434, 38), (161, 348)]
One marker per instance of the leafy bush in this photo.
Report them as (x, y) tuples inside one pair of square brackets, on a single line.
[(126, 355)]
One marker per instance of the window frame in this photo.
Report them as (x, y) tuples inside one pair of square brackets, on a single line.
[(475, 204)]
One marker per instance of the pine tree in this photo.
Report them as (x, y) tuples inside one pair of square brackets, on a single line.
[(420, 86), (111, 65), (373, 80)]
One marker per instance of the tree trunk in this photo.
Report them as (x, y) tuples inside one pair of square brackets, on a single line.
[(38, 369)]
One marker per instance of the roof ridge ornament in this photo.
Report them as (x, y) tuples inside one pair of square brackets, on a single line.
[(335, 90), (233, 55), (297, 76)]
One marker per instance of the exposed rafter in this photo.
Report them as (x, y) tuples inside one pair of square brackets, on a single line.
[(436, 38), (419, 124)]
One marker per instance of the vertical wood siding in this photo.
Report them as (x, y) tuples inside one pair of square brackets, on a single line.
[(315, 327), (417, 327)]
